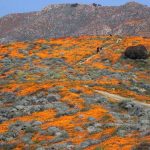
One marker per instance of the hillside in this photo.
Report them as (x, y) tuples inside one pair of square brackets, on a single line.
[(65, 20), (60, 94)]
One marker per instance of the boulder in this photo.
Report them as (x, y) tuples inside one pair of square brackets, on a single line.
[(136, 52)]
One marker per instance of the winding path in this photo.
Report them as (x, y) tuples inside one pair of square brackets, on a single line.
[(121, 98), (86, 59)]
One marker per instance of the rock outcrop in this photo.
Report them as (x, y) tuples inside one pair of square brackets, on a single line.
[(136, 52)]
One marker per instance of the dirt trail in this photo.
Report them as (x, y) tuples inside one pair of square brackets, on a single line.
[(121, 98), (90, 57), (109, 95), (87, 59)]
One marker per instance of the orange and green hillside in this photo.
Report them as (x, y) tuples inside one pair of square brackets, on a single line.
[(60, 94)]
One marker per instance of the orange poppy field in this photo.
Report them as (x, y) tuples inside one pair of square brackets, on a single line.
[(61, 94)]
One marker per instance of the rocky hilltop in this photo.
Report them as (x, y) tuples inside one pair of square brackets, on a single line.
[(77, 19)]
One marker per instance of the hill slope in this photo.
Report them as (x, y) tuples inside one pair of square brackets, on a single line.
[(60, 94), (65, 20)]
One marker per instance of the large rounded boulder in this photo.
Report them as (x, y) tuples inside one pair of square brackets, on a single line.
[(136, 52)]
